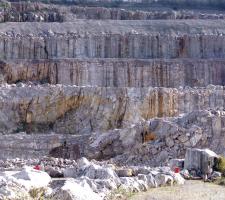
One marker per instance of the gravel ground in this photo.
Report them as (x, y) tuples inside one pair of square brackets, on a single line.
[(192, 190)]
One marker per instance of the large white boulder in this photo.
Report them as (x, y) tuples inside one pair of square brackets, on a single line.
[(133, 184), (163, 179), (94, 171), (71, 190), (178, 179), (149, 180), (83, 163), (10, 189), (31, 178)]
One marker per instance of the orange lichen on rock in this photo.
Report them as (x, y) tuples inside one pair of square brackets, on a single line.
[(149, 137)]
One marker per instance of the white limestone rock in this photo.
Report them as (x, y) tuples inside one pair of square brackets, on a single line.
[(178, 179), (163, 180), (71, 190), (32, 178)]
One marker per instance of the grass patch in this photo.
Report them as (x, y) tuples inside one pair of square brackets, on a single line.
[(120, 193), (220, 181)]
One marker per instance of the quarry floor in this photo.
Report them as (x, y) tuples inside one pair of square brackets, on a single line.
[(191, 190)]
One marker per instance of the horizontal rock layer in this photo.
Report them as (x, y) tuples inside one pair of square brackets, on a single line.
[(82, 110), (218, 4), (101, 39), (37, 12), (26, 146), (116, 73)]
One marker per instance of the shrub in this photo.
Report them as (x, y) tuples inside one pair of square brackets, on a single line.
[(37, 193), (221, 165), (4, 4)]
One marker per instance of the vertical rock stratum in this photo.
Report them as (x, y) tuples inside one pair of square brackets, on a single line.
[(135, 81)]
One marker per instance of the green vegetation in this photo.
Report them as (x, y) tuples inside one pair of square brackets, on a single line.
[(221, 165), (4, 4), (38, 193)]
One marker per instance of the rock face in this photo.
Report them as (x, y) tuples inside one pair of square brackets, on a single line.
[(116, 72), (38, 12), (38, 108), (137, 82), (22, 145), (113, 39), (191, 130)]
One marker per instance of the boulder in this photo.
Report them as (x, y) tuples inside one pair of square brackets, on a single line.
[(32, 178), (54, 172), (141, 170), (216, 175), (183, 138), (10, 189), (124, 172), (83, 163), (71, 190), (195, 139), (133, 184), (84, 181), (199, 159), (105, 183), (185, 173), (98, 172), (169, 142), (178, 179), (70, 172), (149, 180), (163, 180)]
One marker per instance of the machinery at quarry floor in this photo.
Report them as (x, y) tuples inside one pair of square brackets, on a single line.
[(107, 97)]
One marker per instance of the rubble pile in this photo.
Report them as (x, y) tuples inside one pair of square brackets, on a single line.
[(95, 180)]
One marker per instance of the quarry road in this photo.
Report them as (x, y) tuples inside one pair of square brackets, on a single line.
[(191, 190)]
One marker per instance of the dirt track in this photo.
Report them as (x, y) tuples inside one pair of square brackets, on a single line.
[(192, 190)]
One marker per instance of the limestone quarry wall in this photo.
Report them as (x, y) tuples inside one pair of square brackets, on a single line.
[(38, 12), (116, 73), (181, 3), (82, 110), (180, 39), (108, 78)]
